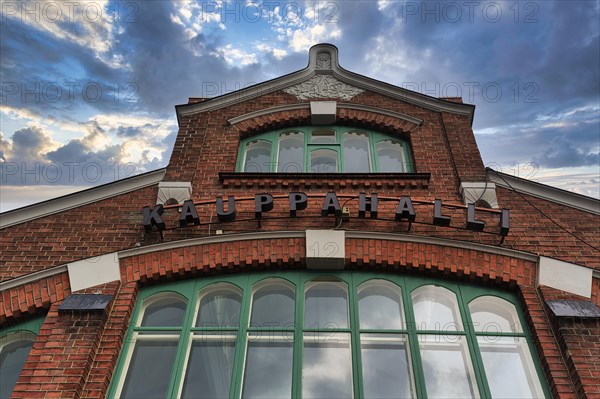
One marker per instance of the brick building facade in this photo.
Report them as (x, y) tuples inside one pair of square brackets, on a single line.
[(346, 190)]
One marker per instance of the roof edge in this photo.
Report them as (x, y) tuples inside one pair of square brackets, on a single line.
[(334, 69), (80, 198), (544, 191)]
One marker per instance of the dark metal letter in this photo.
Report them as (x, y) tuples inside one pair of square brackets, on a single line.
[(438, 218), (331, 205), (472, 224), (405, 209), (230, 214), (262, 203), (188, 214), (298, 202), (504, 222), (152, 217), (367, 205)]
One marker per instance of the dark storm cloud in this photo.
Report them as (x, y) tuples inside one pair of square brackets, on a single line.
[(165, 66), (562, 153), (576, 144), (53, 77), (27, 145)]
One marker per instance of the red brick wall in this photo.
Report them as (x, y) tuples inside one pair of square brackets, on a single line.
[(579, 341), (90, 230), (535, 233)]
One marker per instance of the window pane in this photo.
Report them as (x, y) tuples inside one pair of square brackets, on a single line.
[(447, 367), (386, 366), (380, 306), (291, 152), (356, 152), (323, 161), (323, 136), (326, 306), (436, 309), (391, 156), (494, 315), (150, 369), (508, 359), (268, 372), (220, 308), (258, 156), (12, 360), (273, 306), (327, 366), (167, 312), (210, 366)]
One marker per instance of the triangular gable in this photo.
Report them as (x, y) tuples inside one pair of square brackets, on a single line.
[(325, 78)]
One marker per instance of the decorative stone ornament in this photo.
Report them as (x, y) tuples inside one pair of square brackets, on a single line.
[(323, 86), (323, 60), (481, 191), (179, 191)]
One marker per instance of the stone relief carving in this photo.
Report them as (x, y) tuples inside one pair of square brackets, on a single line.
[(323, 61), (323, 86)]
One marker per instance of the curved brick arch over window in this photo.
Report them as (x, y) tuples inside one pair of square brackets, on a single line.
[(322, 339)]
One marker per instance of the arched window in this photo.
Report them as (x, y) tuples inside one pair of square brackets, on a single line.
[(503, 348), (331, 149), (155, 339), (15, 344), (335, 335)]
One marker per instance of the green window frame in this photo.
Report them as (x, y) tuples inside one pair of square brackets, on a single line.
[(15, 344), (264, 153), (308, 323)]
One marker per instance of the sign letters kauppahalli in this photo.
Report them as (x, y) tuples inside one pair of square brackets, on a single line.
[(298, 201)]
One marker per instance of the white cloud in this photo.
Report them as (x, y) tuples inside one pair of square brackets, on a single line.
[(90, 24), (278, 53), (234, 56), (303, 39)]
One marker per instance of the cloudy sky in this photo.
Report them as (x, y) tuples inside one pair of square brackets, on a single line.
[(88, 88)]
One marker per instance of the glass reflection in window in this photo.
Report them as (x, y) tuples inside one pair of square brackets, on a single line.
[(210, 366), (166, 312), (220, 308), (291, 152), (494, 315), (258, 156), (436, 308), (447, 367), (386, 366), (508, 359), (273, 305), (323, 136), (14, 350), (356, 152), (326, 305), (268, 371), (327, 366), (390, 154), (323, 161), (380, 306)]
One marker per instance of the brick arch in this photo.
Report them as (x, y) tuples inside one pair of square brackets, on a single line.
[(272, 121), (33, 298), (214, 258), (367, 119)]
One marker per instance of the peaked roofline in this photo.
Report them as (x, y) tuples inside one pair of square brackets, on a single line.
[(80, 198), (332, 68), (544, 191)]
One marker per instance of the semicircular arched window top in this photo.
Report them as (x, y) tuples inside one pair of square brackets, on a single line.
[(331, 149)]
